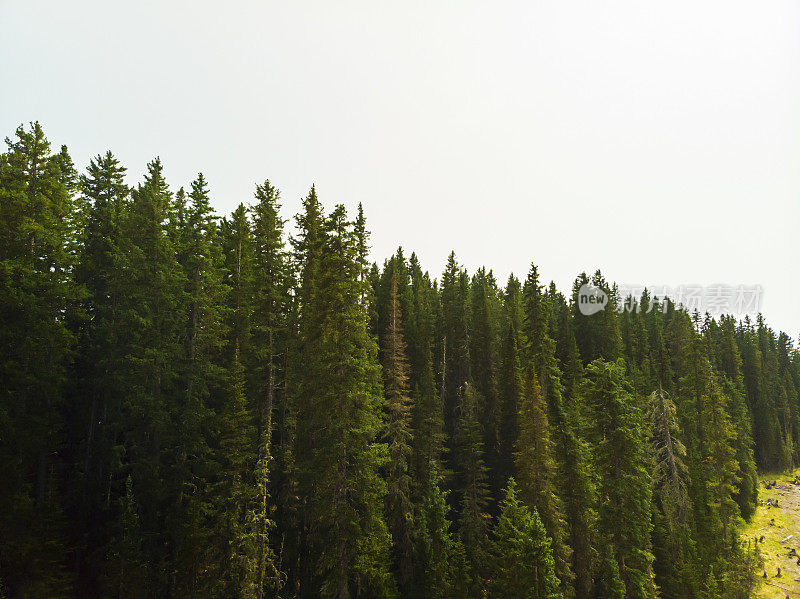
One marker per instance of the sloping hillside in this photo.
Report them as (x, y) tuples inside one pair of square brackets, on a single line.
[(780, 529)]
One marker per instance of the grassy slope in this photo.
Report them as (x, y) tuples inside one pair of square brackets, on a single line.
[(775, 524)]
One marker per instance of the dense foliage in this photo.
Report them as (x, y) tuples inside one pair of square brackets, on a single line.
[(196, 406)]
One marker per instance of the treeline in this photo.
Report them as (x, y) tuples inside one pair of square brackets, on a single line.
[(195, 406)]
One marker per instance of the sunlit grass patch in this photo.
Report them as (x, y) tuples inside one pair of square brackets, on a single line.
[(775, 525)]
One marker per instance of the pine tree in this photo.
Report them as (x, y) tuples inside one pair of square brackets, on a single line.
[(125, 553), (436, 550), (96, 421), (453, 357), (339, 401), (271, 305), (37, 296), (427, 410), (673, 545), (624, 484), (522, 559), (149, 327), (729, 364), (473, 521), (572, 462), (608, 583), (198, 251), (711, 457), (511, 395), (398, 435), (485, 313)]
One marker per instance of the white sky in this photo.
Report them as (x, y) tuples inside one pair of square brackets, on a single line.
[(658, 141)]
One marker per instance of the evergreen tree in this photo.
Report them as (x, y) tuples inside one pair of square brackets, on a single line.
[(485, 312), (572, 460), (272, 279), (522, 559), (608, 583), (510, 387), (339, 399), (190, 408), (729, 365), (713, 471), (673, 545), (37, 295), (436, 550), (473, 521), (199, 254), (149, 327), (96, 420), (453, 359), (427, 409), (597, 335), (125, 550), (759, 374), (398, 435), (624, 484), (534, 464), (248, 562)]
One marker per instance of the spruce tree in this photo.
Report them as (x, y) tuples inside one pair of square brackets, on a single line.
[(624, 482), (149, 327), (522, 560), (572, 460), (37, 296), (242, 533), (95, 387), (453, 357), (339, 402), (436, 549), (189, 408), (511, 396), (271, 303), (124, 551), (673, 545), (608, 582), (427, 410), (198, 251), (711, 457), (730, 364), (473, 521), (535, 467), (485, 314), (398, 436)]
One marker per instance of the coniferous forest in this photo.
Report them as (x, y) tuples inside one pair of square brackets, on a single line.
[(196, 405)]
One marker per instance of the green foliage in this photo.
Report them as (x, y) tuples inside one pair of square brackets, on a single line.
[(672, 540), (536, 469), (399, 509), (624, 480), (608, 582), (37, 296), (522, 558), (473, 521), (436, 549), (192, 407), (339, 402)]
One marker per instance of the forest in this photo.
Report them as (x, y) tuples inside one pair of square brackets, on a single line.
[(196, 405)]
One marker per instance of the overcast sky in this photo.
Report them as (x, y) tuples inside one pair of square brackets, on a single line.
[(657, 141)]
